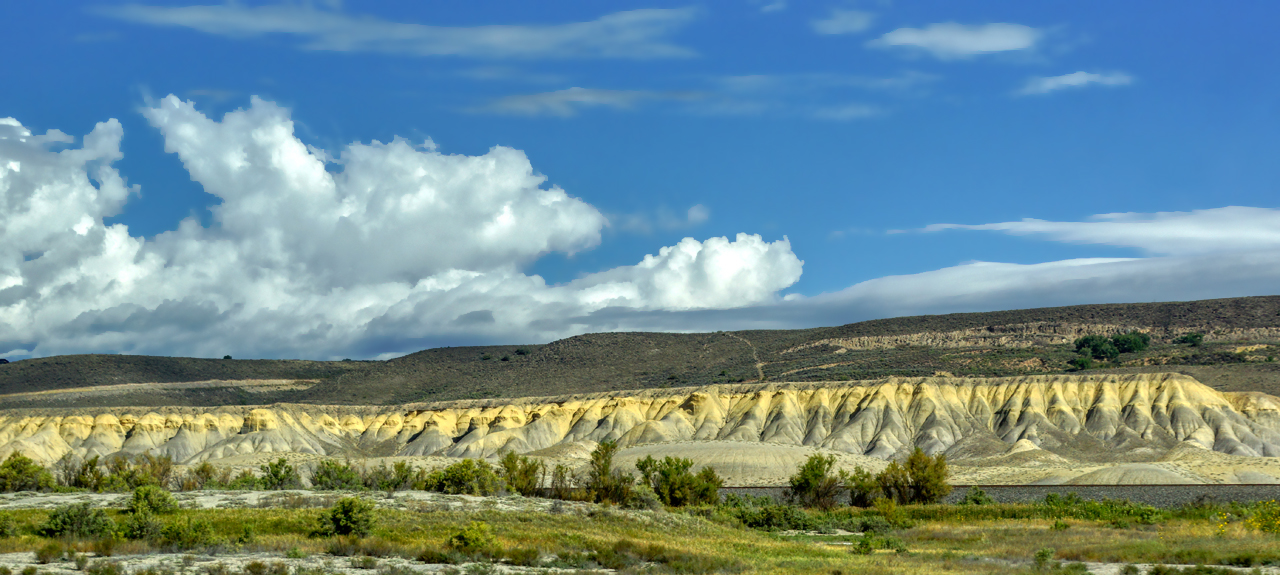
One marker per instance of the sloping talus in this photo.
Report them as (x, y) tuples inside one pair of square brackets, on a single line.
[(877, 418)]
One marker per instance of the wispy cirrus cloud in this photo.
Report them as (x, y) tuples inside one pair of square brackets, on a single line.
[(846, 112), (767, 6), (1045, 85), (663, 218), (952, 41), (633, 34), (821, 96), (1216, 230), (842, 21), (567, 102)]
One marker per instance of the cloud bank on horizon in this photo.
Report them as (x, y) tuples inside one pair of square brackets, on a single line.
[(384, 248)]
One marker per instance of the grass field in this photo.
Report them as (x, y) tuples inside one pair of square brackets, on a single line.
[(907, 539)]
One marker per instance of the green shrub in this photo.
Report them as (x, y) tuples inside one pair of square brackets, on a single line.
[(79, 473), (77, 520), (1072, 506), (104, 568), (149, 499), (976, 496), (1097, 347), (605, 484), (20, 473), (774, 518), (246, 481), (522, 474), (1081, 363), (50, 552), (523, 556), (562, 483), (675, 486), (815, 484), (466, 477), (625, 555), (394, 478), (142, 526), (189, 534), (1132, 342), (1043, 557), (862, 486), (8, 525), (875, 524), (921, 479), (643, 497), (279, 474), (122, 475), (1191, 339), (349, 516), (476, 540), (202, 476), (104, 546), (1265, 517), (333, 476)]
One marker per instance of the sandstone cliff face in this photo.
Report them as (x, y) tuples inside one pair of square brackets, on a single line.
[(876, 418)]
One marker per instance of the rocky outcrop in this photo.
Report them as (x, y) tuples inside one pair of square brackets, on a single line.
[(880, 419), (1023, 335)]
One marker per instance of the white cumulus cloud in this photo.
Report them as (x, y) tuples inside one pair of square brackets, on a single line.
[(1045, 85), (950, 41), (635, 34), (379, 248)]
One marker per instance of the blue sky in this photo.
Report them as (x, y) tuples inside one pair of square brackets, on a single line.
[(392, 176)]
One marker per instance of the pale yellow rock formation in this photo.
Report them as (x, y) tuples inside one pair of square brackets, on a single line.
[(1026, 418)]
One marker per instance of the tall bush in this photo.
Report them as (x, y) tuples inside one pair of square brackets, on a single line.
[(149, 499), (522, 474), (862, 486), (333, 476), (563, 483), (675, 485), (1132, 342), (279, 474), (21, 473), (78, 520), (815, 484), (76, 473), (394, 478), (466, 477), (605, 484), (349, 516), (920, 479), (1097, 347)]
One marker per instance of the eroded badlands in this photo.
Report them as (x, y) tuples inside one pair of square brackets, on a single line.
[(1162, 428)]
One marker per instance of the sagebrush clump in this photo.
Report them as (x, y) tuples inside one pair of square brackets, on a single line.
[(349, 516)]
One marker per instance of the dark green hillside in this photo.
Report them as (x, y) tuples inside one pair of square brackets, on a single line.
[(1242, 340)]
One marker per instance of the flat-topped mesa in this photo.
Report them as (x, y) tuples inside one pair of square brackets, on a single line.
[(882, 418)]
